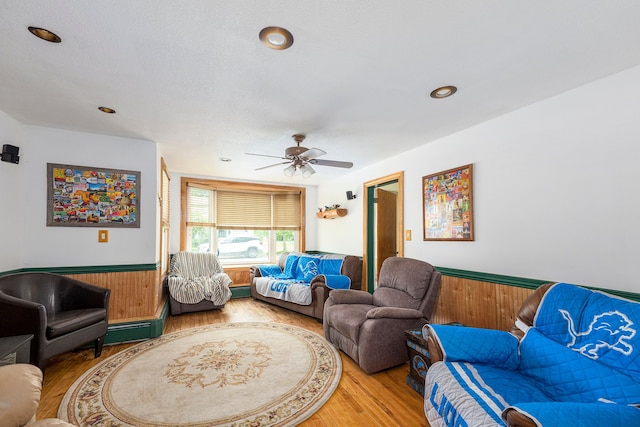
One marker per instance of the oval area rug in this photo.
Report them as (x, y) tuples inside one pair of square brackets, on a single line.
[(232, 374)]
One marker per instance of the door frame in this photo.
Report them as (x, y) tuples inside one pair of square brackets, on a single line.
[(369, 226)]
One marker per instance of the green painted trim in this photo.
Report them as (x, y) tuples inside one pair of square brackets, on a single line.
[(88, 269), (91, 269), (4, 273), (492, 278), (240, 291), (370, 238), (522, 282), (137, 331)]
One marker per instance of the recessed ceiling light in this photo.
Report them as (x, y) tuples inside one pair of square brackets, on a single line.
[(45, 34), (107, 110), (225, 159), (276, 38), (443, 92)]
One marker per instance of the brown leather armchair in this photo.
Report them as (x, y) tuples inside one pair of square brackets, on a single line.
[(61, 313), (370, 327)]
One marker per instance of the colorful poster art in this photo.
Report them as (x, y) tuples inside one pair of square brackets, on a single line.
[(79, 196), (447, 204)]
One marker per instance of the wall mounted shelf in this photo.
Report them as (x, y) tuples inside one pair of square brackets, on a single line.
[(332, 213)]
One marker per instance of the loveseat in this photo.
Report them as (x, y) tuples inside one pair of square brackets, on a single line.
[(313, 284), (60, 312), (571, 359)]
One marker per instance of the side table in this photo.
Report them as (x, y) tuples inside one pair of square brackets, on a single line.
[(15, 349), (419, 359)]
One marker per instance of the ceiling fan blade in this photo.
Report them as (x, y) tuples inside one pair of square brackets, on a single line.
[(334, 163), (265, 155), (270, 166), (312, 153)]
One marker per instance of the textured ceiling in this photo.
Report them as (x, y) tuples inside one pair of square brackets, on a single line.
[(194, 77)]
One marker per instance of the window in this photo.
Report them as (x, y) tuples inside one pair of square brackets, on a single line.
[(242, 223)]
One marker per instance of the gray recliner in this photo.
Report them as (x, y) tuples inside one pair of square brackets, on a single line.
[(370, 327)]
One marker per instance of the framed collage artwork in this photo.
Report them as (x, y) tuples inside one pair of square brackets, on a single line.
[(80, 196), (447, 204)]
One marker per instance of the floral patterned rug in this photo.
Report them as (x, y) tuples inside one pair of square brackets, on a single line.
[(233, 374)]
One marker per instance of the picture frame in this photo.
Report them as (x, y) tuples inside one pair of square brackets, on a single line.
[(447, 204), (82, 196)]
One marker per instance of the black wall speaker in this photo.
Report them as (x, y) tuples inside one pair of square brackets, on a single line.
[(10, 153), (350, 195)]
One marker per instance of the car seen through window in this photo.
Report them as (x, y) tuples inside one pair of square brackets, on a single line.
[(239, 246)]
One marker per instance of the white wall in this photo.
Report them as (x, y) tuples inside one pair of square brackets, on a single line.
[(11, 197), (78, 246), (554, 190)]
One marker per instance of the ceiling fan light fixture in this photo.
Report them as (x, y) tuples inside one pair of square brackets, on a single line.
[(290, 170), (307, 171), (443, 92), (277, 38)]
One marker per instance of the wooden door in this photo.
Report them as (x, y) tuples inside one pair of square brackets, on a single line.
[(386, 226)]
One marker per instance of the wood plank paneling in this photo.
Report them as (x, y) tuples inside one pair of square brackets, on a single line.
[(139, 295), (134, 295), (239, 275), (478, 304)]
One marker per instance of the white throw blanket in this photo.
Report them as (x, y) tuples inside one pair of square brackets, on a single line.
[(196, 276)]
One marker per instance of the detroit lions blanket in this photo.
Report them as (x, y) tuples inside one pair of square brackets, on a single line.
[(292, 283), (578, 365), (286, 290)]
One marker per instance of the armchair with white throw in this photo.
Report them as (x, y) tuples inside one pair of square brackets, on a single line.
[(197, 282)]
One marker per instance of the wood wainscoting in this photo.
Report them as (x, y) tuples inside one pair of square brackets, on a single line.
[(134, 294), (137, 305), (239, 275), (492, 301), (478, 303)]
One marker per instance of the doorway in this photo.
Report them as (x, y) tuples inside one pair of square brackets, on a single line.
[(384, 224)]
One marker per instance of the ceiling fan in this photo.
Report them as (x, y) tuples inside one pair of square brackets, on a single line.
[(302, 158)]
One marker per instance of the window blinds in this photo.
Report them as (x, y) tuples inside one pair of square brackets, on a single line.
[(200, 207), (165, 201), (286, 211), (242, 210)]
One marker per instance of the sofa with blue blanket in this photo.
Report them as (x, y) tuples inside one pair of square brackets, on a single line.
[(572, 359), (301, 282)]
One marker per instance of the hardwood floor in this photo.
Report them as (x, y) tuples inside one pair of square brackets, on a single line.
[(382, 399)]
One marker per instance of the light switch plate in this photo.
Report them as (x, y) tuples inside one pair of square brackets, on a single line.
[(407, 234), (103, 236)]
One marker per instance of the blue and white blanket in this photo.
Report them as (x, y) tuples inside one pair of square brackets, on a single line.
[(292, 283), (579, 363)]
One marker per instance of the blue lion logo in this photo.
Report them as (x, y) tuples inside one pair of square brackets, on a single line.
[(309, 270), (607, 330)]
